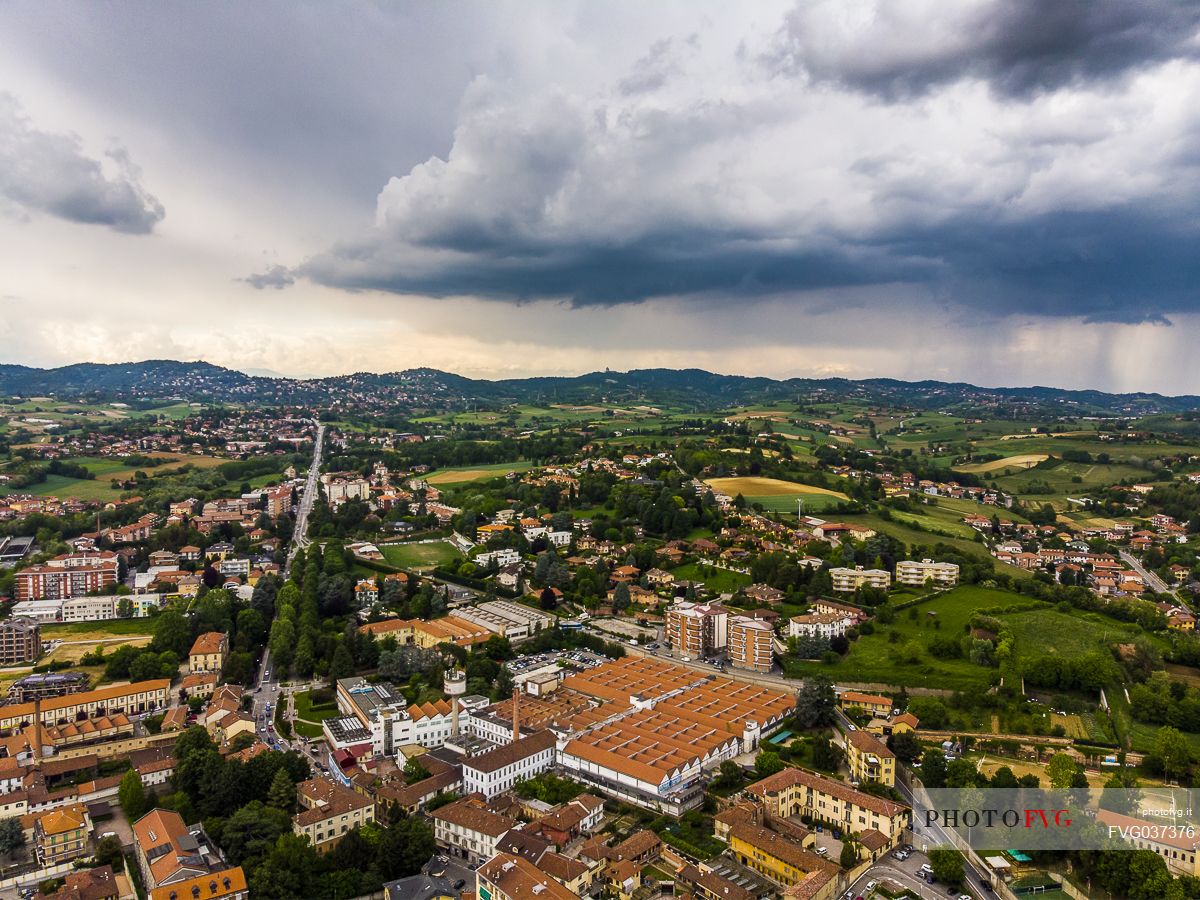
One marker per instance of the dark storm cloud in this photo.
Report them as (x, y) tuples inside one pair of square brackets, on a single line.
[(1079, 204), (1128, 266), (49, 173), (654, 266), (1018, 46), (1125, 267)]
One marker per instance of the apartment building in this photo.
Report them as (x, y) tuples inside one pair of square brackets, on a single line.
[(875, 704), (62, 834), (869, 759), (496, 771), (821, 625), (278, 500), (234, 567), (751, 644), (847, 581), (697, 630), (916, 573), (68, 575), (796, 792), (506, 556), (469, 828), (20, 641), (328, 811), (780, 858), (825, 607), (342, 486)]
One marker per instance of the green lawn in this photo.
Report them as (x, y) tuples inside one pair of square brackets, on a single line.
[(721, 581), (419, 556), (307, 729), (305, 709)]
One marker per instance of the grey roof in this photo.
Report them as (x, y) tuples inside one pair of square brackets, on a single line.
[(420, 887)]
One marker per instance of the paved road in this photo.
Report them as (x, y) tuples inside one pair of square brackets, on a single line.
[(268, 690), (889, 875), (1152, 581), (933, 835), (307, 498)]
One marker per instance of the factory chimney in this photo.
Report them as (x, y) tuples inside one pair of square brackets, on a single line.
[(37, 731), (516, 713)]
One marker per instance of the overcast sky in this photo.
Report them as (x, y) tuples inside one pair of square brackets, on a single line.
[(1005, 193)]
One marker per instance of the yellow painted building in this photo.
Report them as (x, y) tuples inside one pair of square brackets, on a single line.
[(869, 759), (781, 859), (208, 652), (62, 834), (796, 792), (875, 704)]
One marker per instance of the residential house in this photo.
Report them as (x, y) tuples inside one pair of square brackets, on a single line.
[(328, 811), (208, 652)]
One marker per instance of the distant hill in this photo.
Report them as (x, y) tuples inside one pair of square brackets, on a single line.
[(686, 388)]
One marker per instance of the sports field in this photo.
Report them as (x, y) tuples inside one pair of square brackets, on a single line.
[(419, 556)]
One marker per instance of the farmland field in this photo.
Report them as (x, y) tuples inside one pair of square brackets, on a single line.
[(419, 556), (1009, 462), (749, 486), (475, 473)]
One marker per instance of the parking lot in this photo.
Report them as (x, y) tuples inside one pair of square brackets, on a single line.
[(579, 659), (452, 868), (895, 874)]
